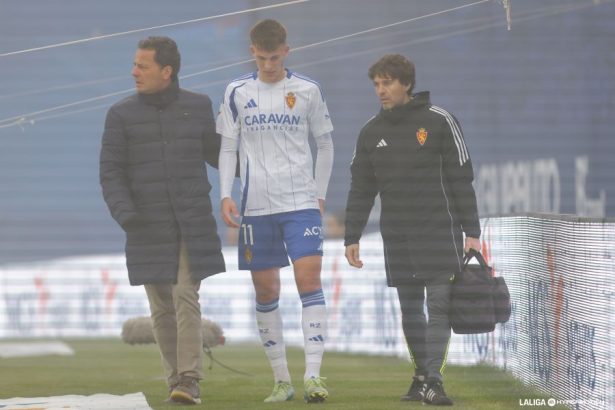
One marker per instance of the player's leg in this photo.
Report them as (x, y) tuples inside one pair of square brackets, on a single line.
[(303, 238), (261, 250), (270, 328), (313, 313), (314, 324), (414, 324)]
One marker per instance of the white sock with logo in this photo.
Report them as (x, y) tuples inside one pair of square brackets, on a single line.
[(314, 323), (270, 329)]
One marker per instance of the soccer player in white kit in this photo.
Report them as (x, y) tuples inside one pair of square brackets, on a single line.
[(269, 115)]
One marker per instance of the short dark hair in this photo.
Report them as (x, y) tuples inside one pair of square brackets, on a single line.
[(395, 67), (166, 52), (268, 35)]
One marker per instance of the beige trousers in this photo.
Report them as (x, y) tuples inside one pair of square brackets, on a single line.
[(176, 317)]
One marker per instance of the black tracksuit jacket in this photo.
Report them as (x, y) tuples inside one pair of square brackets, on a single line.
[(415, 157)]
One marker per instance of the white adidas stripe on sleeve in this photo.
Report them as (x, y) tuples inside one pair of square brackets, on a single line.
[(462, 150)]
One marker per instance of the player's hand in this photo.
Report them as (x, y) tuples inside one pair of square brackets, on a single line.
[(471, 243), (352, 255), (321, 203), (228, 210)]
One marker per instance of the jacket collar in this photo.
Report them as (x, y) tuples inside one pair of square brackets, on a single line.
[(395, 114), (162, 98)]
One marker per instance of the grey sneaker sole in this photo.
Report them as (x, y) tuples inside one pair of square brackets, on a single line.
[(184, 398)]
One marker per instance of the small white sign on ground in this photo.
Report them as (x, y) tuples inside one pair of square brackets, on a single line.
[(134, 401), (27, 349)]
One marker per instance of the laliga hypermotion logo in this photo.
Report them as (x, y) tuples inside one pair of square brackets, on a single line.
[(421, 136), (291, 100)]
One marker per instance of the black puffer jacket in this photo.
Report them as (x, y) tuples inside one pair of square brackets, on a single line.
[(154, 181)]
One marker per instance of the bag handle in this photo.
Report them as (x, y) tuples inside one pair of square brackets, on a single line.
[(473, 253)]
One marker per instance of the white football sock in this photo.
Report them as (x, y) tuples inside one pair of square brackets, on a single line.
[(270, 330), (314, 323)]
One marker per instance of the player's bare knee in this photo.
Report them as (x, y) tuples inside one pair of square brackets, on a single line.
[(266, 290), (308, 281)]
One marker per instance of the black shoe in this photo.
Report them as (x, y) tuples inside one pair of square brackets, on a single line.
[(416, 392), (434, 393)]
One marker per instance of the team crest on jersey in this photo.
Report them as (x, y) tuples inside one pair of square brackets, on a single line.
[(421, 135), (291, 100), (248, 255)]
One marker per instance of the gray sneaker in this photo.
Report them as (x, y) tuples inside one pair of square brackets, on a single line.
[(187, 391), (169, 399)]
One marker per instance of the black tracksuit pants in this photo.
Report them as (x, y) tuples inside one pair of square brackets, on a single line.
[(427, 337)]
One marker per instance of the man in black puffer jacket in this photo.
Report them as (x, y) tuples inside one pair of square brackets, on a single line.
[(414, 155), (154, 181)]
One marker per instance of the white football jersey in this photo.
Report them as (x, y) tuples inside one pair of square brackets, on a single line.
[(272, 123)]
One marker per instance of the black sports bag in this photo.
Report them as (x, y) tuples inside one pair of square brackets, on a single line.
[(478, 300)]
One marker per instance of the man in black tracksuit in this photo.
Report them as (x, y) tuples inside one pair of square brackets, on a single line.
[(413, 154)]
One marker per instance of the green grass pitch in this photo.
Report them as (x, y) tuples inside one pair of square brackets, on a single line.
[(355, 381)]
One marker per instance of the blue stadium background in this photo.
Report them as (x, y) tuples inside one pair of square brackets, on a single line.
[(536, 103)]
